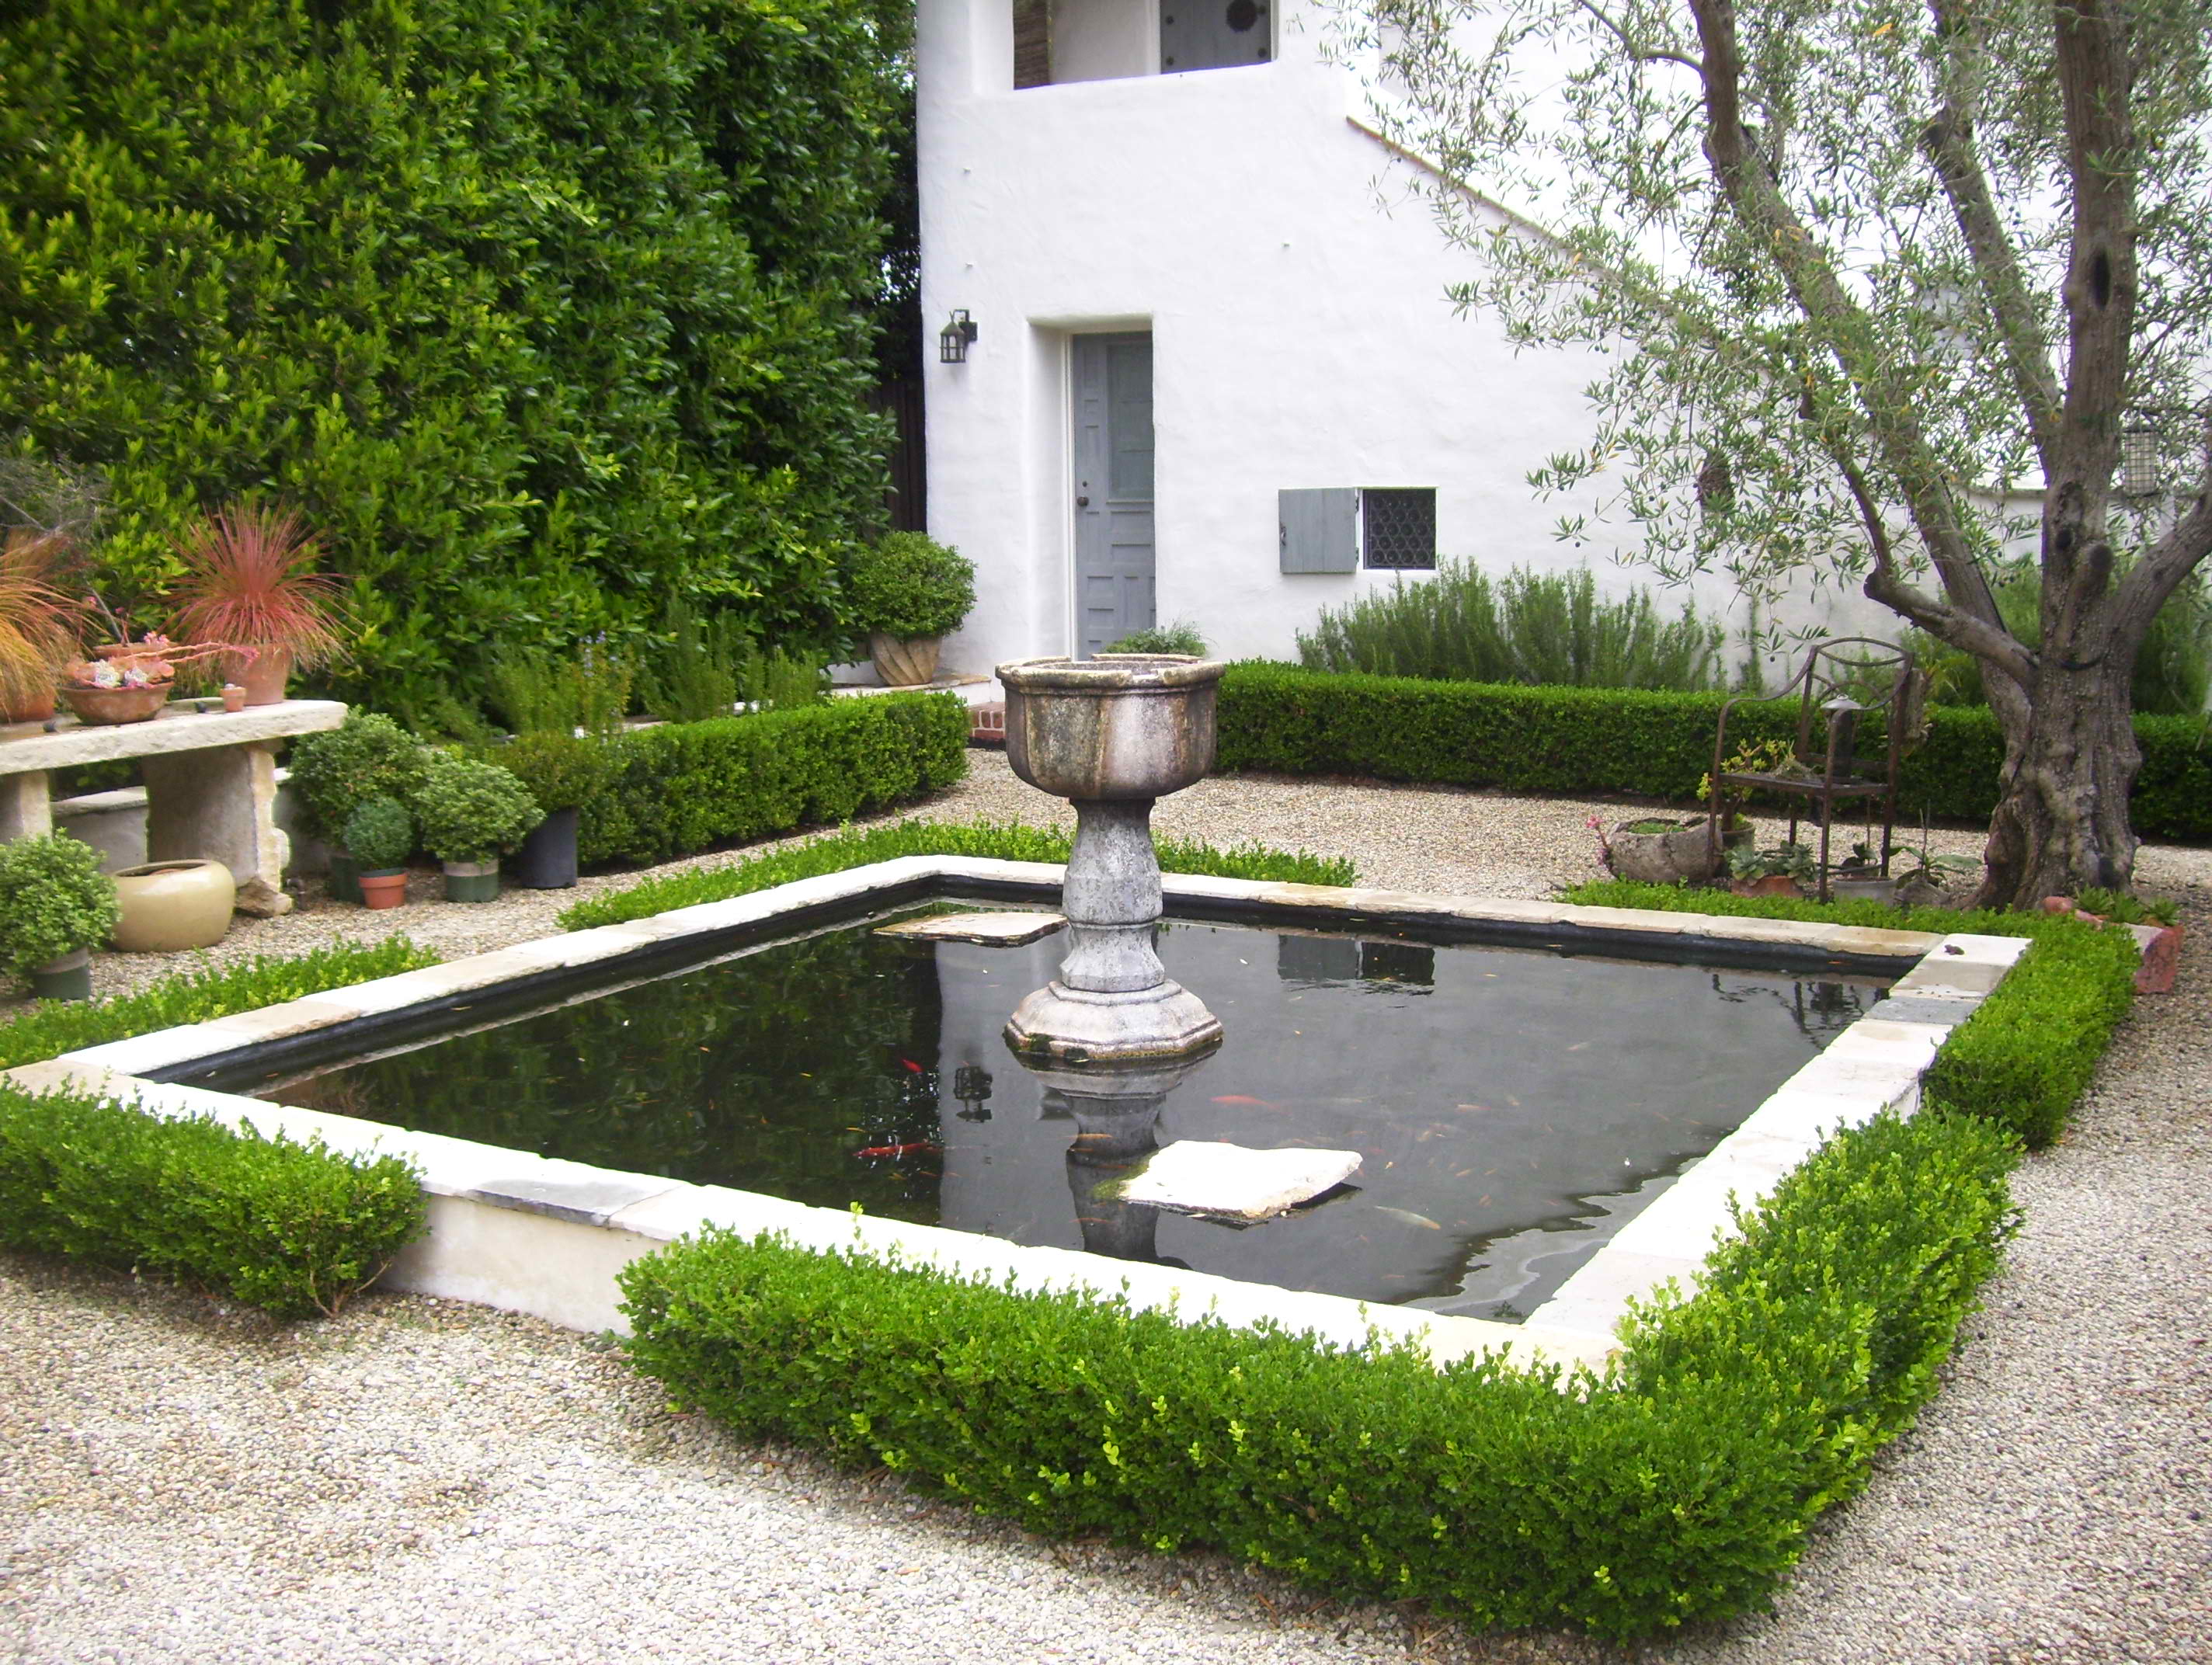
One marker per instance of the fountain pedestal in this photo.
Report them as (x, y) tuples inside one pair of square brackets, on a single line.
[(1112, 735)]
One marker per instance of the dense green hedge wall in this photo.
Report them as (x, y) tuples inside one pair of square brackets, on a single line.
[(540, 309), (1604, 740), (1679, 1488), (677, 788), (292, 1228)]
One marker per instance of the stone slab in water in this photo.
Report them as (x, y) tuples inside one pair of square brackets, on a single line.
[(1207, 1176), (997, 929)]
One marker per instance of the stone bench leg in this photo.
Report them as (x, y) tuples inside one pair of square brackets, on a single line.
[(27, 808), (219, 805)]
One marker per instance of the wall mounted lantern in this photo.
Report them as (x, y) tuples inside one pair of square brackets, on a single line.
[(953, 341), (2139, 460)]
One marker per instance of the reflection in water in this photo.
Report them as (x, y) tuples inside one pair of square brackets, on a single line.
[(1117, 1112), (1511, 1106)]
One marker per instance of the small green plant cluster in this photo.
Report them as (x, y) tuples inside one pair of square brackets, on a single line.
[(708, 666), (381, 835), (337, 771), (1539, 628), (292, 1228), (205, 991), (2122, 908), (909, 585), (1590, 740), (859, 847), (1677, 1488), (1180, 637), (54, 900), (470, 810), (1749, 862), (680, 787), (2027, 1054), (584, 690)]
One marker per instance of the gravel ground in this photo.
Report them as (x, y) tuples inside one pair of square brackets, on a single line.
[(422, 1480)]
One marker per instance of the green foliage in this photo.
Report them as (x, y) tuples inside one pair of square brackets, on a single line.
[(1678, 1489), (1279, 717), (2027, 1053), (1180, 637), (684, 786), (859, 847), (470, 810), (694, 675), (206, 992), (1546, 629), (2123, 909), (562, 771), (584, 689), (781, 681), (336, 772), (381, 835), (541, 311), (54, 900), (292, 1228), (909, 585)]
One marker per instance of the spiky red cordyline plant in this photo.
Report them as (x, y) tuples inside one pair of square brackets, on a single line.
[(39, 623), (248, 582)]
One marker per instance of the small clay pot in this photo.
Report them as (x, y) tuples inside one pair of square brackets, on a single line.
[(69, 978), (234, 696), (35, 706), (386, 888), (909, 662), (103, 707), (1767, 885), (471, 881)]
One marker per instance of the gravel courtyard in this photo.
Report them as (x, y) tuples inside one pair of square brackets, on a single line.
[(425, 1481)]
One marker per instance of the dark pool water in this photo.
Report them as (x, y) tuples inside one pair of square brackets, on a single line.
[(1512, 1107)]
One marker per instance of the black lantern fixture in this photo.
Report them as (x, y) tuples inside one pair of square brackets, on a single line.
[(953, 341), (2139, 460)]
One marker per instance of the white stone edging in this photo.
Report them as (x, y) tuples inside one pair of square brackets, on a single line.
[(546, 1236)]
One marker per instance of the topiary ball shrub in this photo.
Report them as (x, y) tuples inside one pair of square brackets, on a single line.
[(471, 810), (909, 584), (381, 835), (339, 770), (54, 900)]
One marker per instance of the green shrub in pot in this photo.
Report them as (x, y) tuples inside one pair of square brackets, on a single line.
[(907, 591), (381, 835), (339, 770), (471, 813), (55, 905), (562, 771)]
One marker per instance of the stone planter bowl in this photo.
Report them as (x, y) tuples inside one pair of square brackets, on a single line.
[(171, 906), (100, 707), (1671, 857), (904, 661), (1120, 726)]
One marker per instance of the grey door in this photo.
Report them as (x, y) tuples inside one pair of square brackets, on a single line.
[(1113, 554)]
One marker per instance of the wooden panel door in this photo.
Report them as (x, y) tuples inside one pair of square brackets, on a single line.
[(1114, 557)]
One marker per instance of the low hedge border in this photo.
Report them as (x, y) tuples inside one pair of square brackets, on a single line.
[(1677, 1487), (292, 1228), (1595, 740), (859, 847), (2027, 1053), (676, 788)]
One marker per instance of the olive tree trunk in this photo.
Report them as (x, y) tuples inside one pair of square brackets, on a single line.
[(2070, 761)]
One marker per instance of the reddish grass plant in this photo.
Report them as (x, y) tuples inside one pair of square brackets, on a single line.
[(39, 621), (249, 582)]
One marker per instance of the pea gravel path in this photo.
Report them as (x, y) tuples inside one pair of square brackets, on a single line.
[(424, 1481)]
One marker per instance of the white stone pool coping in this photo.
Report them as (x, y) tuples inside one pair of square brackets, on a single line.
[(546, 1236)]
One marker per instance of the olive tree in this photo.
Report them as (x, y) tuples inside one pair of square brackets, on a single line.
[(1868, 274)]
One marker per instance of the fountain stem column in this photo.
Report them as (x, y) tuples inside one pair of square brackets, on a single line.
[(1112, 899)]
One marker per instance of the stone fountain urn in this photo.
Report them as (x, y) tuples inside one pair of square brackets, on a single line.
[(1111, 735)]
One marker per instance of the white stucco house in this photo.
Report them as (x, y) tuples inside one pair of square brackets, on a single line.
[(1170, 229)]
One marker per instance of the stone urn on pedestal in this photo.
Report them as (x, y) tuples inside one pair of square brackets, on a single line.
[(1111, 735)]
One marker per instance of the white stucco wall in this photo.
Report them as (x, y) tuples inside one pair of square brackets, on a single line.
[(1301, 333)]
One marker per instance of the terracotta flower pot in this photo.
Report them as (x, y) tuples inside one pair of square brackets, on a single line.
[(387, 889), (234, 696), (103, 705), (265, 675), (1769, 885), (169, 906), (32, 708), (904, 664)]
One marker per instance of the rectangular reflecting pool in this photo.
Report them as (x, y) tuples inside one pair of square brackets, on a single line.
[(1512, 1106)]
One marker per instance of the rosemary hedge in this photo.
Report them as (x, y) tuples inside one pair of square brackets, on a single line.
[(678, 788), (1281, 718), (292, 1228), (857, 846), (1678, 1488)]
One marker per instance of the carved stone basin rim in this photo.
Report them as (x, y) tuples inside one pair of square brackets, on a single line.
[(1111, 673)]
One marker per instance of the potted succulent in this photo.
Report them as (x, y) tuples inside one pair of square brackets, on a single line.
[(1783, 871), (339, 770), (381, 835), (909, 592), (38, 625), (129, 683), (1859, 878), (249, 587), (471, 813), (563, 772), (55, 907)]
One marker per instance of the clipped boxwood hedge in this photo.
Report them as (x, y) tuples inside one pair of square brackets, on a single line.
[(679, 787), (1678, 1488), (293, 1229), (1294, 721)]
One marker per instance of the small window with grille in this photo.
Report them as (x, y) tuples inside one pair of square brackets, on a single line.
[(1398, 527)]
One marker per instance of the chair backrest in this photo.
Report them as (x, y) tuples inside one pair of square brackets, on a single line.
[(1880, 678)]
